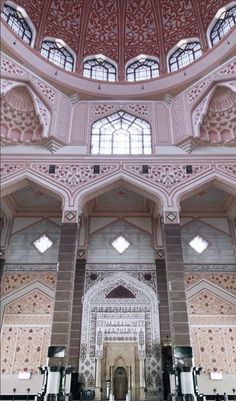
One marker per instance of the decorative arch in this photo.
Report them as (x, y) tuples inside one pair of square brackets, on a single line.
[(26, 328), (90, 190), (25, 100), (216, 178), (22, 176), (201, 109), (98, 310)]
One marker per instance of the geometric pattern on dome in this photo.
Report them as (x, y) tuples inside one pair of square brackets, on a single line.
[(224, 24), (141, 69), (185, 54), (17, 23), (121, 133), (121, 33), (55, 52), (120, 292)]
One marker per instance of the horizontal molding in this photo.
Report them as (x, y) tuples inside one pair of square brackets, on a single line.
[(30, 266), (210, 267)]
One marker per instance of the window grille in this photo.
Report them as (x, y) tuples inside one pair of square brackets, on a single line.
[(57, 54), (17, 22), (225, 22), (184, 55), (141, 69), (121, 133), (100, 69)]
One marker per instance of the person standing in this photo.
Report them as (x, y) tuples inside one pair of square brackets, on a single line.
[(226, 398)]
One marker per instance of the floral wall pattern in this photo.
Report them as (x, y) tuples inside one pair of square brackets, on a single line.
[(213, 322), (27, 321)]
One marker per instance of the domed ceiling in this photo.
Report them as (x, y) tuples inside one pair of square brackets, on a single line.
[(122, 29)]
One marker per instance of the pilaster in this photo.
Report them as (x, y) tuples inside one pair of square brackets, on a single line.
[(62, 316), (175, 279)]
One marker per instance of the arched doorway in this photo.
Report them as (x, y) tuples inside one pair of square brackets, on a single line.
[(120, 383)]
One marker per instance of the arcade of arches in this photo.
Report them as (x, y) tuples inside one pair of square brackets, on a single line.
[(118, 219)]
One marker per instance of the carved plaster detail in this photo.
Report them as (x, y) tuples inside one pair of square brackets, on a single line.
[(10, 168), (10, 67), (46, 90), (104, 109), (209, 267), (30, 267), (63, 118), (19, 122), (168, 175), (229, 168), (120, 267), (74, 174), (103, 320), (224, 71), (4, 84)]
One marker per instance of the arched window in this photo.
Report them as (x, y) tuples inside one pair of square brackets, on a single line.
[(56, 52), (121, 133), (142, 68), (225, 21), (17, 22), (99, 68), (185, 54)]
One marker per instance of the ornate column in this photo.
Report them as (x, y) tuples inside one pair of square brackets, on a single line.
[(98, 379), (180, 338), (164, 313), (62, 316), (142, 378)]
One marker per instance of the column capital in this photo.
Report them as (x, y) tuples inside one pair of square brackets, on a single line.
[(71, 215), (171, 215)]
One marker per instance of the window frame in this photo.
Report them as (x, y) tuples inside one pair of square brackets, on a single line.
[(100, 59), (129, 119), (175, 49), (214, 22), (147, 58), (64, 46), (25, 18)]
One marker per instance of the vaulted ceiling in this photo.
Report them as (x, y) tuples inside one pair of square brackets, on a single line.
[(121, 29)]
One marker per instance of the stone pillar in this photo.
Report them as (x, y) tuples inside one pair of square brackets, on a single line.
[(164, 313), (177, 300), (142, 379), (62, 316), (75, 335), (98, 379), (175, 280)]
